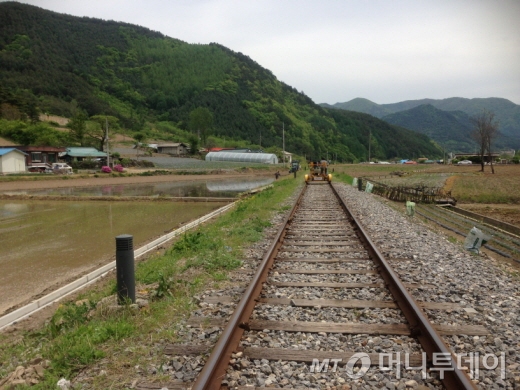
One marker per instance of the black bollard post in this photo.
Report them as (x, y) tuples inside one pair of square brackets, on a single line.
[(125, 268), (360, 184)]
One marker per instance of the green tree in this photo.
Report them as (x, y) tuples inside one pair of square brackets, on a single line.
[(139, 138), (98, 129), (194, 144), (78, 127), (201, 121)]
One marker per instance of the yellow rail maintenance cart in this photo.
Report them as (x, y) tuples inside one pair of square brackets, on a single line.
[(318, 171)]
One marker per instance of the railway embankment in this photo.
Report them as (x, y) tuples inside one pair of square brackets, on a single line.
[(468, 289), (459, 289)]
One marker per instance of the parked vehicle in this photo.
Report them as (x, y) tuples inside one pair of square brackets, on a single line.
[(40, 168), (464, 162), (410, 162), (62, 168)]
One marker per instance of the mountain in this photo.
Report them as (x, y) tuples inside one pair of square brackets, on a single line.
[(450, 129), (507, 112), (362, 105), (144, 82)]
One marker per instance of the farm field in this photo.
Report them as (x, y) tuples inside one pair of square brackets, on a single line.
[(494, 195)]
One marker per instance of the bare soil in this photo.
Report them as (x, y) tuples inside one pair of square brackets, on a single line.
[(509, 213)]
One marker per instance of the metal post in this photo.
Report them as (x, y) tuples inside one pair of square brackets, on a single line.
[(360, 184), (125, 268)]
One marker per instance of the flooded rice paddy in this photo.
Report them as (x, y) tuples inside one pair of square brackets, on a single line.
[(44, 243), (222, 189)]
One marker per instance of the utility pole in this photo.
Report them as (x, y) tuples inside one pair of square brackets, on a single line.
[(108, 146), (369, 138), (283, 142), (260, 138)]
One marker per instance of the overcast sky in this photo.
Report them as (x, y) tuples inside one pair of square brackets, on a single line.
[(336, 50)]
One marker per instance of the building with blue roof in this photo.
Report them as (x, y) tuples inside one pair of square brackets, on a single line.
[(81, 153)]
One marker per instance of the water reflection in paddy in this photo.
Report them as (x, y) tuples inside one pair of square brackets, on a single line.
[(221, 188), (46, 242)]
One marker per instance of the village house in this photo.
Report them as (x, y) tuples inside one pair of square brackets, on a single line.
[(39, 158), (174, 149), (12, 160), (82, 153)]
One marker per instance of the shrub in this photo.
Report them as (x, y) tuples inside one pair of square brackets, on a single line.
[(106, 169), (118, 168), (126, 162)]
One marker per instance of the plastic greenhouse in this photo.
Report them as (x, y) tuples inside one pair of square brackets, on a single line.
[(265, 158)]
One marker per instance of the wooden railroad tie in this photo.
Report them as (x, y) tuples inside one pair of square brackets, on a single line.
[(335, 327)]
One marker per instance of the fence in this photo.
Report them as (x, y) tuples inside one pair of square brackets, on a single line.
[(417, 194)]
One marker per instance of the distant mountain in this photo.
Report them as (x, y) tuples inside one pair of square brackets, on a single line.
[(507, 112), (362, 105), (450, 129)]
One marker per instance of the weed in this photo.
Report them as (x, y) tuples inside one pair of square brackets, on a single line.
[(67, 316), (164, 286), (220, 276)]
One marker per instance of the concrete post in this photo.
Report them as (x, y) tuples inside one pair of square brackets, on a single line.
[(125, 268)]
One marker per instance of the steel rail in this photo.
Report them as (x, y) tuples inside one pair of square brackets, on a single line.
[(211, 376), (420, 326)]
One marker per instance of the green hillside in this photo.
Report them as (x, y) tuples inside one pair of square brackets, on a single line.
[(147, 83), (387, 141), (450, 129)]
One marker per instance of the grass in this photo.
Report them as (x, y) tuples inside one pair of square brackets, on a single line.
[(466, 183), (502, 187), (342, 177), (80, 334)]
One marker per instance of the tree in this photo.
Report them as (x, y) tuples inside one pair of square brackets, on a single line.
[(78, 127), (485, 130), (201, 120), (194, 144), (139, 138), (97, 130)]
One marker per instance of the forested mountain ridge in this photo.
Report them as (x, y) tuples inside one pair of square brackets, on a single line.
[(452, 129), (507, 113), (150, 83)]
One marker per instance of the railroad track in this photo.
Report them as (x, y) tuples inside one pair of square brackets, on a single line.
[(326, 302)]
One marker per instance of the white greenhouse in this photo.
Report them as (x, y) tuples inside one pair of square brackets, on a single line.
[(265, 158)]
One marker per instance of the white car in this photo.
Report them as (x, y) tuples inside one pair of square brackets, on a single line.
[(62, 168), (464, 162)]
